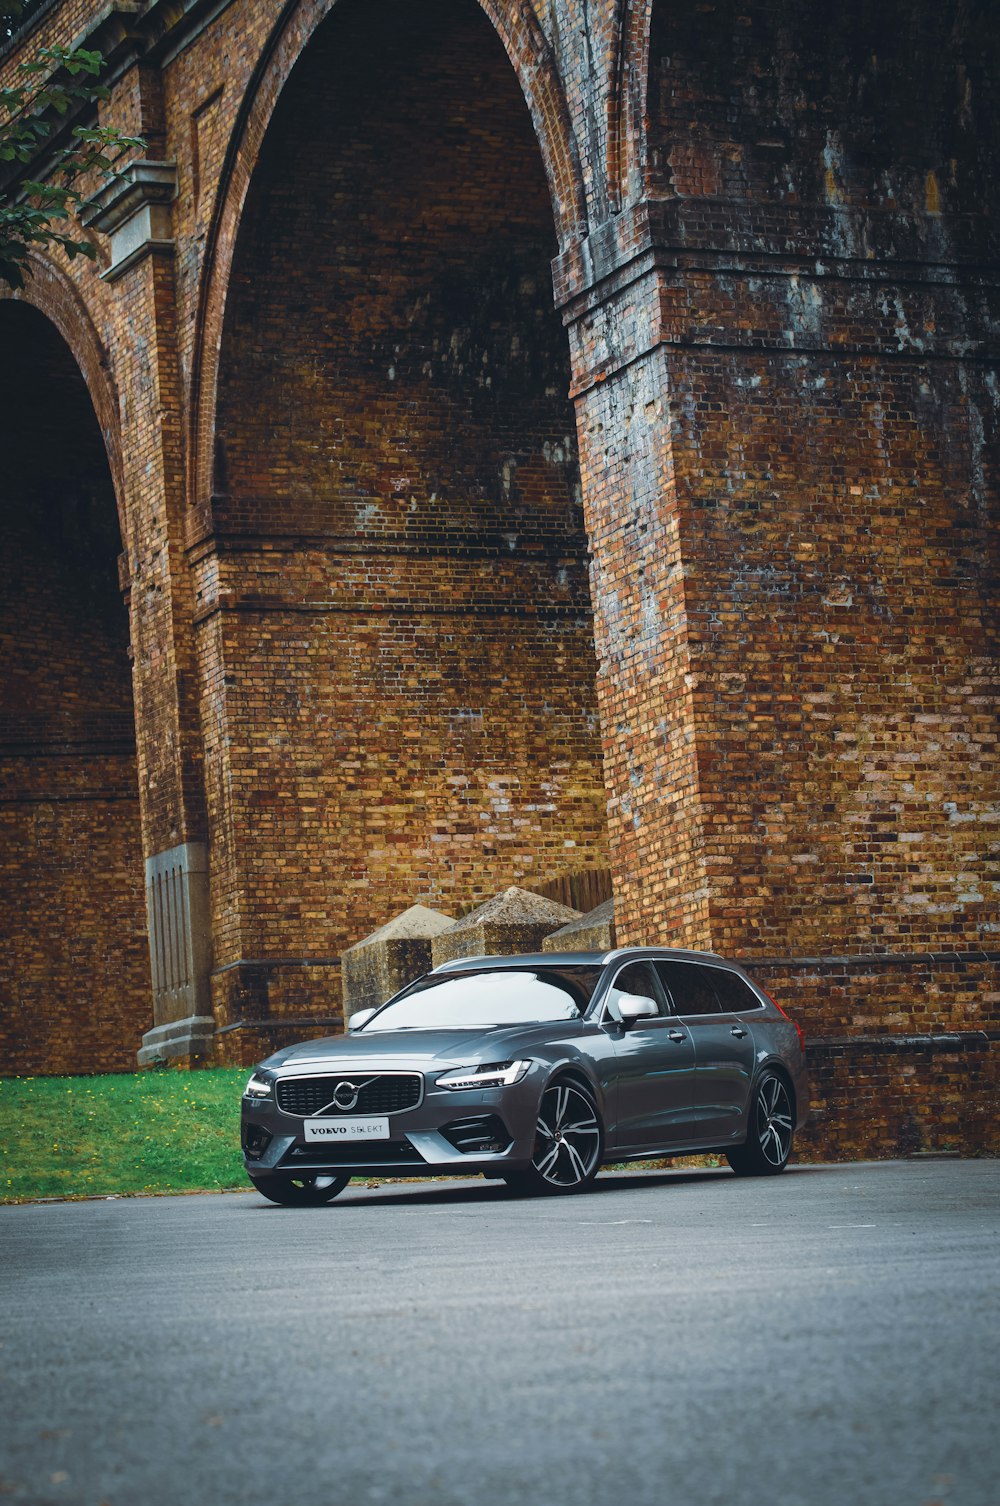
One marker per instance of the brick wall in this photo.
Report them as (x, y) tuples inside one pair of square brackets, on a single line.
[(903, 1096), (790, 434), (360, 613), (903, 1051), (890, 108)]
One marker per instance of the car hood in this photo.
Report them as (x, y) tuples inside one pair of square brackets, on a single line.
[(418, 1047)]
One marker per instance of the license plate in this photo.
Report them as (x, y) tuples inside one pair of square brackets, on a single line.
[(319, 1130)]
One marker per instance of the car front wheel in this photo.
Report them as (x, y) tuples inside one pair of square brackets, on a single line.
[(769, 1132), (310, 1190), (569, 1142)]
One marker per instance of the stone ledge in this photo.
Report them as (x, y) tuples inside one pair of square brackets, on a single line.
[(871, 959), (191, 1038), (964, 1040)]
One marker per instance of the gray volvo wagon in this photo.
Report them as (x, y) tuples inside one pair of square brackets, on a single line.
[(535, 1069)]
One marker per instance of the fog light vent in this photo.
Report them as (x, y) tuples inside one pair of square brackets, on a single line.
[(256, 1139), (485, 1134)]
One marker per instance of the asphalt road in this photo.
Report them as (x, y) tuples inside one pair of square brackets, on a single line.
[(831, 1336)]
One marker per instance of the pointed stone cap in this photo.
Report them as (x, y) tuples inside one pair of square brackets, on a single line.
[(514, 921), (417, 921), (374, 969), (593, 932)]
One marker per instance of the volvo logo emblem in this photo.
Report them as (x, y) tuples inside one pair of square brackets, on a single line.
[(345, 1094)]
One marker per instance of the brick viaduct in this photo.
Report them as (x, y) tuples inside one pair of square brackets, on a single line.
[(435, 582)]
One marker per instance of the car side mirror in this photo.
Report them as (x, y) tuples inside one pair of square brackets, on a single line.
[(636, 1007), (360, 1018)]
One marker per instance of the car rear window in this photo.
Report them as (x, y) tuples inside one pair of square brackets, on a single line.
[(697, 988), (689, 985), (735, 995)]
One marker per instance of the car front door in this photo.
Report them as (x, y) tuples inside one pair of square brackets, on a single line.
[(723, 1047), (655, 1064)]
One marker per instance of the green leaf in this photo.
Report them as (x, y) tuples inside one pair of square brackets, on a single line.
[(58, 81)]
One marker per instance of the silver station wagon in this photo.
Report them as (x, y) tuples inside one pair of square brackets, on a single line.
[(536, 1069)]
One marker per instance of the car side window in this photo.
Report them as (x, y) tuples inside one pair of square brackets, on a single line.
[(734, 995), (635, 978), (689, 985)]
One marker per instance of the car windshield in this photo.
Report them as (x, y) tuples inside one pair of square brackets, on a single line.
[(492, 996)]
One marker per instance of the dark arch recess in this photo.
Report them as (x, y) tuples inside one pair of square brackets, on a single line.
[(74, 976), (410, 673), (531, 57)]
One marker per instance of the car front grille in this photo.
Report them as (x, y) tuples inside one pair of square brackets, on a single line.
[(377, 1093)]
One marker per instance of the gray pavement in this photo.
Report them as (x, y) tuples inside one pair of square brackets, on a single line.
[(827, 1337)]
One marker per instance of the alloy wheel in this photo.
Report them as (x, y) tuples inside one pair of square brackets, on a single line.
[(770, 1127), (774, 1122), (568, 1137)]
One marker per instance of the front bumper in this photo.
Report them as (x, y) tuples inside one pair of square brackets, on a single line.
[(447, 1133)]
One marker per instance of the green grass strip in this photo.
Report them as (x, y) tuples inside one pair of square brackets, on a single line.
[(120, 1133)]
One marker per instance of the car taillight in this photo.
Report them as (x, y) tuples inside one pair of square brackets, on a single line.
[(798, 1027)]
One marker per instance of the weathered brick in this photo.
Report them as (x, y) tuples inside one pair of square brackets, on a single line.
[(350, 482)]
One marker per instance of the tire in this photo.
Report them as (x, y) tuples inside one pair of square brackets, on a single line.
[(310, 1190), (769, 1132), (569, 1143)]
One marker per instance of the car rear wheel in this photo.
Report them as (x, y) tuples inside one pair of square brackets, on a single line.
[(569, 1143), (308, 1190), (769, 1134)]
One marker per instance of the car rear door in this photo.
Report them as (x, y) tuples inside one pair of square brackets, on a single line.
[(655, 1064), (723, 1046)]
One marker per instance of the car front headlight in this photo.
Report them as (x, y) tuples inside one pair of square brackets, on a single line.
[(258, 1086), (491, 1075)]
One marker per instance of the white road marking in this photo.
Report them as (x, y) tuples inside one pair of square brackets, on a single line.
[(610, 1223)]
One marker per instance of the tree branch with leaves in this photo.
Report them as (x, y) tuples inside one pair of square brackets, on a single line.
[(48, 91)]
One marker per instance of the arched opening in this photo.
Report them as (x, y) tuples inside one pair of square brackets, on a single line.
[(74, 968), (402, 660)]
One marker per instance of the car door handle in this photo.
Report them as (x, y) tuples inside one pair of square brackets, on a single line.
[(738, 1031), (676, 1035)]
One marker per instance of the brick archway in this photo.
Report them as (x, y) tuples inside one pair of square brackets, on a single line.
[(534, 66), (404, 616), (74, 977), (52, 293)]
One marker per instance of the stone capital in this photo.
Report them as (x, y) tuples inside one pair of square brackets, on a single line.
[(134, 211)]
